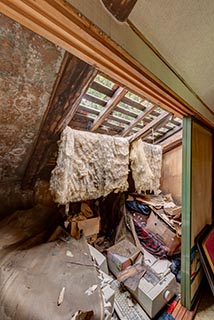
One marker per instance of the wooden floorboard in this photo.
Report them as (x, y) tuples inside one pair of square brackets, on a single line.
[(181, 313)]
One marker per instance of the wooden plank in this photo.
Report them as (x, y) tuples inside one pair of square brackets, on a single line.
[(87, 109), (103, 89), (169, 134), (176, 310), (133, 103), (181, 313), (139, 119), (129, 113), (114, 126), (119, 119), (74, 78), (171, 174), (119, 8), (147, 129), (119, 93), (202, 192), (91, 98)]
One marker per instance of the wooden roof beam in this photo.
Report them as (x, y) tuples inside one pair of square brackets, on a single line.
[(115, 99), (72, 82), (150, 126), (137, 120), (169, 134)]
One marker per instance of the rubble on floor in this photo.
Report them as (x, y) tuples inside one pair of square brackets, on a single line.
[(56, 274)]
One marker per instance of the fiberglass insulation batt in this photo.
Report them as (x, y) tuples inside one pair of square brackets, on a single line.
[(146, 162), (89, 166)]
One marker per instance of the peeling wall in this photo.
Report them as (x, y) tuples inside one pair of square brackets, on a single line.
[(28, 69)]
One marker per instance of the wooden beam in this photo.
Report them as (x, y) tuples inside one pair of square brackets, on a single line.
[(61, 24), (169, 134), (120, 9), (117, 96), (73, 80), (103, 89), (127, 112), (147, 129), (133, 103), (176, 142), (139, 119)]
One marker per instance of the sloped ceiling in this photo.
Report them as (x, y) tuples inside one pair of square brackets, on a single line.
[(28, 69), (183, 32), (43, 89)]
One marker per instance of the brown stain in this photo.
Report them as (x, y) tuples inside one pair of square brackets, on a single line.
[(28, 69)]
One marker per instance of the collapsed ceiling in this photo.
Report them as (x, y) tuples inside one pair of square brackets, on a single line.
[(43, 89)]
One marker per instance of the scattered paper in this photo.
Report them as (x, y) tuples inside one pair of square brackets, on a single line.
[(69, 254), (91, 290), (61, 297)]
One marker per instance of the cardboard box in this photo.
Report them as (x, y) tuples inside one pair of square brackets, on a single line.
[(88, 226), (121, 255)]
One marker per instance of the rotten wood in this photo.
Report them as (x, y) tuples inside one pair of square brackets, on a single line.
[(138, 119), (120, 9), (117, 96), (149, 127), (73, 80)]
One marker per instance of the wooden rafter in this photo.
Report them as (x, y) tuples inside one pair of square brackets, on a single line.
[(149, 127), (117, 96), (137, 120), (169, 134), (172, 142), (73, 80), (120, 8)]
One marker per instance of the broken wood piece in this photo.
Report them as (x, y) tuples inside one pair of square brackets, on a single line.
[(75, 231), (61, 297), (175, 213), (86, 210), (91, 290), (83, 315)]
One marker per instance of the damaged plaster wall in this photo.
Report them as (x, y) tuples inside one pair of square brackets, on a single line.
[(146, 163), (89, 166), (13, 198), (28, 69)]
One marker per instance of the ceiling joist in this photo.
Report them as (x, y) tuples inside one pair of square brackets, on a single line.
[(139, 119), (117, 96), (149, 127)]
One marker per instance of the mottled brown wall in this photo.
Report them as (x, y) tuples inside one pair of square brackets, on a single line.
[(12, 197), (28, 69)]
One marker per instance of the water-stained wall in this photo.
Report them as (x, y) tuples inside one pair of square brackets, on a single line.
[(28, 69)]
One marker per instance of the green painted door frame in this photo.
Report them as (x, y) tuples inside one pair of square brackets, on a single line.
[(197, 163), (186, 212)]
